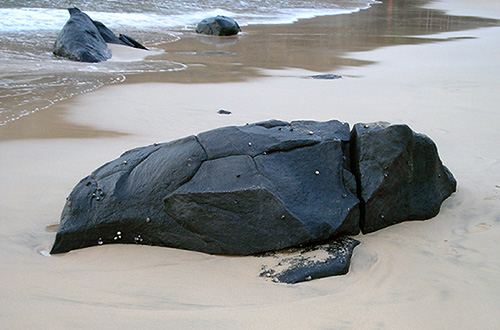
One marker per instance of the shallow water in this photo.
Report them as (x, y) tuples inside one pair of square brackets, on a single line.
[(32, 79), (161, 14)]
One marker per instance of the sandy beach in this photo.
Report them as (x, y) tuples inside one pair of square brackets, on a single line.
[(443, 273)]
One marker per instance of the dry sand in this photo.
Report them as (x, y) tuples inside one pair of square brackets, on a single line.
[(439, 274)]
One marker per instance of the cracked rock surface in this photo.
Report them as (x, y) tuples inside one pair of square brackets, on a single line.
[(233, 190), (259, 187)]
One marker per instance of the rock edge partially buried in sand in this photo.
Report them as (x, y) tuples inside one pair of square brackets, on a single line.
[(261, 187)]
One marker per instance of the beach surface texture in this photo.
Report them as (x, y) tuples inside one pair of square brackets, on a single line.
[(434, 66)]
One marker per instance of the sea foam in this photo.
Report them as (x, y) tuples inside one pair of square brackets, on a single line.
[(50, 19)]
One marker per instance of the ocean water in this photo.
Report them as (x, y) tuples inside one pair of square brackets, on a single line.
[(33, 79)]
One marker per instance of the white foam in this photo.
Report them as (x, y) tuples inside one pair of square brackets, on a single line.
[(43, 250), (153, 21), (288, 16), (130, 54), (39, 19), (45, 253), (31, 19), (34, 19)]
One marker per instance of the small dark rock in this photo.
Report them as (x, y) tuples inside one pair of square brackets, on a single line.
[(326, 76), (305, 264), (218, 26), (223, 112), (129, 41)]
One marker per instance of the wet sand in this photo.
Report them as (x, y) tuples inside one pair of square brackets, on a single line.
[(438, 274)]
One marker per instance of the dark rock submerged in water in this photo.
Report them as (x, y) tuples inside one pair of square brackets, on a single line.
[(218, 26), (260, 187), (80, 40)]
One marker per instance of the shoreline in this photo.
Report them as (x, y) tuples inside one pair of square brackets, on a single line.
[(313, 45), (434, 274)]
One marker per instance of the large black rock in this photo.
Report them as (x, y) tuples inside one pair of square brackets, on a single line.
[(80, 40), (400, 176), (234, 190), (85, 40), (260, 187), (218, 26)]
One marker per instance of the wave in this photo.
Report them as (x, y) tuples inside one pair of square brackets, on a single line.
[(50, 19)]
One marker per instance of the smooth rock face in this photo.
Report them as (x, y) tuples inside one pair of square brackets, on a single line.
[(218, 26), (234, 190), (80, 40), (400, 176)]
